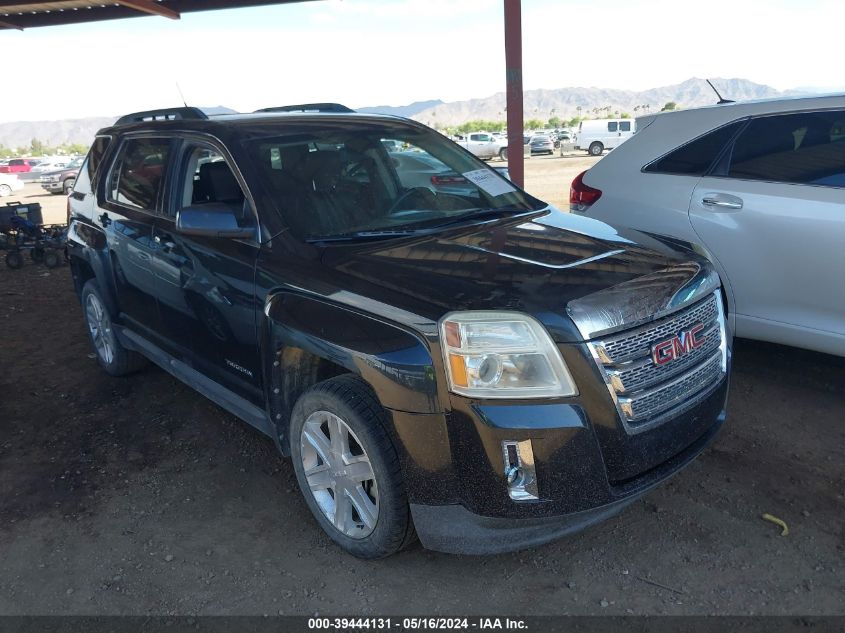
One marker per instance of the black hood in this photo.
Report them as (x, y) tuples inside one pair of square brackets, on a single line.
[(535, 265)]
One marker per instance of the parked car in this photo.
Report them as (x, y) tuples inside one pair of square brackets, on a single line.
[(485, 145), (476, 368), (61, 181), (762, 186), (9, 183), (52, 164), (18, 166), (597, 135), (542, 144)]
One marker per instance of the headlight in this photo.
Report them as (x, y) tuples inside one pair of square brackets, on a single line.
[(502, 355), (55, 178)]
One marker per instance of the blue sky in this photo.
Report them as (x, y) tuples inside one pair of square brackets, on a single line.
[(372, 52)]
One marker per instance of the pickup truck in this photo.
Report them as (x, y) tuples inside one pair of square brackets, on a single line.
[(484, 145)]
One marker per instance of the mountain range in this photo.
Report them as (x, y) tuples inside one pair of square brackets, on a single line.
[(539, 104), (565, 102)]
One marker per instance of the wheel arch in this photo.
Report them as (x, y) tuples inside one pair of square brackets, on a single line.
[(309, 339)]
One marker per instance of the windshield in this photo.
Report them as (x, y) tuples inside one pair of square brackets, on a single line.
[(378, 179)]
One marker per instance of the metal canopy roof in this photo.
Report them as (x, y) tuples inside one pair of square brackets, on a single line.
[(24, 15)]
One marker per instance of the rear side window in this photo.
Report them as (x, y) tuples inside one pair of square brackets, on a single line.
[(612, 126), (624, 126), (696, 157), (138, 172), (804, 148), (96, 153)]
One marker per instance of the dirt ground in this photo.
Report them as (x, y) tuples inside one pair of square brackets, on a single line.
[(139, 496)]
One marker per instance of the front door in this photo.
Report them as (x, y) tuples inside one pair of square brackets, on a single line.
[(774, 215), (206, 285)]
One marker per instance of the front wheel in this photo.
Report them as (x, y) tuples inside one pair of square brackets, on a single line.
[(68, 186), (503, 153), (5, 190), (348, 470)]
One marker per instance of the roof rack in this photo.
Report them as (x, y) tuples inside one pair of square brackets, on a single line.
[(308, 107), (166, 114)]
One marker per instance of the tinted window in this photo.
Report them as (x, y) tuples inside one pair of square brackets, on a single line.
[(695, 158), (624, 126), (138, 172), (96, 153), (16, 161), (806, 148), (612, 126)]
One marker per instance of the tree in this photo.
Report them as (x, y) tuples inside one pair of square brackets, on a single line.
[(533, 124), (36, 147), (555, 122), (671, 105)]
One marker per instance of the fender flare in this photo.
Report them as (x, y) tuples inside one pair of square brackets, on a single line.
[(303, 333)]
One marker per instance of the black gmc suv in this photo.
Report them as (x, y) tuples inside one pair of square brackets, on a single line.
[(441, 354)]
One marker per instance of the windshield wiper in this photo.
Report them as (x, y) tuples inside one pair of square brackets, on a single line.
[(482, 214), (358, 236)]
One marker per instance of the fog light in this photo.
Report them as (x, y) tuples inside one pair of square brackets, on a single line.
[(519, 470)]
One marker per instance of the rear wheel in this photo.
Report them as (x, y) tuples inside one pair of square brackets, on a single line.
[(503, 153), (112, 356), (14, 260), (596, 149), (5, 190), (348, 470)]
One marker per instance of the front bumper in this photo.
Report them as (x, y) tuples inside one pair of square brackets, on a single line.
[(52, 186), (455, 529), (455, 472)]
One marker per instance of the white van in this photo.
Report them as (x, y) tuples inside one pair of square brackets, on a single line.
[(597, 135)]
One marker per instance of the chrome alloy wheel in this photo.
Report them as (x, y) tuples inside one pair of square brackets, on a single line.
[(339, 474), (99, 324)]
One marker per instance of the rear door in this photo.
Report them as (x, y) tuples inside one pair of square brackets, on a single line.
[(773, 213), (128, 202), (205, 285)]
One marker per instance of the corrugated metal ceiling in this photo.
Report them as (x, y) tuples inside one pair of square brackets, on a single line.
[(25, 15)]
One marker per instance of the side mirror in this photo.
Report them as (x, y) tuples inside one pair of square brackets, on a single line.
[(212, 220)]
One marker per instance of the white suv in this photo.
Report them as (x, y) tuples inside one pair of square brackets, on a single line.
[(761, 186)]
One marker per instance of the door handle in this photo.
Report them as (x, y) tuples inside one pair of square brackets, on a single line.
[(722, 202)]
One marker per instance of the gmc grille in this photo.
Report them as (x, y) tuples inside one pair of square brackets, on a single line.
[(647, 393)]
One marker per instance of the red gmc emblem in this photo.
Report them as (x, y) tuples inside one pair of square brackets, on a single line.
[(677, 346)]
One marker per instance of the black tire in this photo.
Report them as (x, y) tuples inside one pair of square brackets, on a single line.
[(67, 187), (596, 149), (14, 260), (352, 400), (121, 361), (52, 259), (503, 153)]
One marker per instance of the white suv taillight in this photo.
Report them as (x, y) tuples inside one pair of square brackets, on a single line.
[(581, 196)]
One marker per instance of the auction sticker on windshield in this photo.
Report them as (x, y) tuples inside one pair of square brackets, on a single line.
[(488, 182)]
